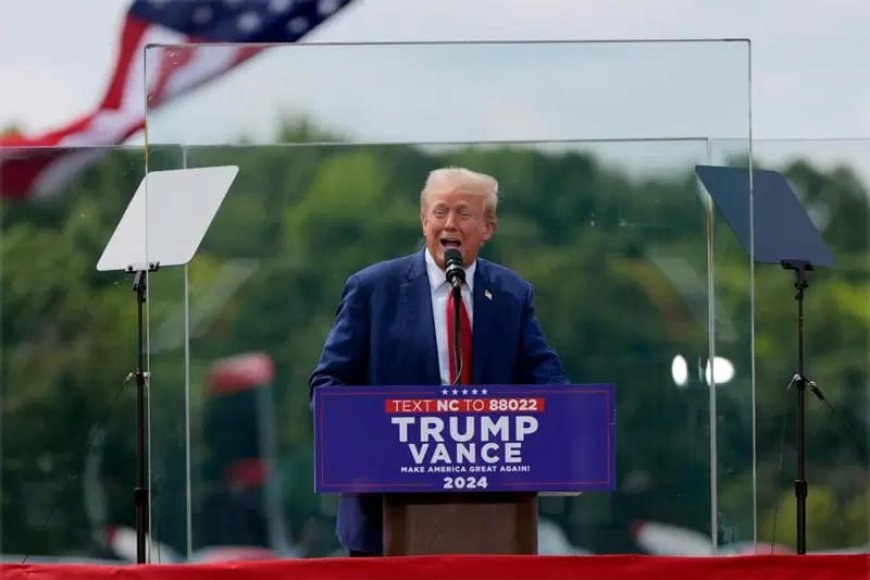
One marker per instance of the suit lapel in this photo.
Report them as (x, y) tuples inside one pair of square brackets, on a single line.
[(415, 308), (484, 314)]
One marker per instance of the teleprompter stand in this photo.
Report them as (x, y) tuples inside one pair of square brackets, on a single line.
[(162, 226), (780, 232), (140, 492)]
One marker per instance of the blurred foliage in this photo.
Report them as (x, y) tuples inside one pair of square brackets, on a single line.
[(619, 263)]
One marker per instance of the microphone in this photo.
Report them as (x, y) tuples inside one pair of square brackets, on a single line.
[(453, 267)]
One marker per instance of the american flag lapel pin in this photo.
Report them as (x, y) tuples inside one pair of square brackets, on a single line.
[(488, 294)]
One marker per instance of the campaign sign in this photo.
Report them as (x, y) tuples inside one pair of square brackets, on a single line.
[(468, 438)]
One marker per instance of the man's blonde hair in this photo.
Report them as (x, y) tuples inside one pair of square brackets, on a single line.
[(465, 181)]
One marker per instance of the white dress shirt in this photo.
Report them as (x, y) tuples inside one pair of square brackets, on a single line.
[(440, 290)]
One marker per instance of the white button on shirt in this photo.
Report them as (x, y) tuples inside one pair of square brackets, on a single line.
[(440, 290)]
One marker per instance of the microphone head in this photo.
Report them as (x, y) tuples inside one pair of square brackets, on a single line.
[(453, 267), (452, 257)]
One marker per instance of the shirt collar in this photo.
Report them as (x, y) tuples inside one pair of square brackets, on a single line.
[(437, 277)]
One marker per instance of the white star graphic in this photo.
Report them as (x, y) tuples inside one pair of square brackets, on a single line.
[(249, 22), (444, 392), (202, 15), (482, 391), (297, 25), (455, 392), (327, 7), (473, 391), (464, 391), (279, 6)]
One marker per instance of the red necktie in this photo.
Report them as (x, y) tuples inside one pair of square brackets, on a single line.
[(464, 341)]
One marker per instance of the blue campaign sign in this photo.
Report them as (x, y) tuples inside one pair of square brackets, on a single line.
[(465, 438)]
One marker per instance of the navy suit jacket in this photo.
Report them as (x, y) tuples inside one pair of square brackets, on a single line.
[(384, 334)]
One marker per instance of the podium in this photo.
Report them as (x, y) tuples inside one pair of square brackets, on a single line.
[(460, 470), (471, 523)]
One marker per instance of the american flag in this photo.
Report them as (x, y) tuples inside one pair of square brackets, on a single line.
[(27, 172)]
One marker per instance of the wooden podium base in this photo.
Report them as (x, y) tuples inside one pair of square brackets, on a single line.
[(460, 523)]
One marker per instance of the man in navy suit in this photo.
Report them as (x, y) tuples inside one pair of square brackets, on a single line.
[(391, 326)]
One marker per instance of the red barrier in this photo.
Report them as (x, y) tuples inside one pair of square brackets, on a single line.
[(839, 567)]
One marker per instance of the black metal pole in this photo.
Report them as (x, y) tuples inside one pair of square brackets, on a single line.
[(140, 492), (801, 486)]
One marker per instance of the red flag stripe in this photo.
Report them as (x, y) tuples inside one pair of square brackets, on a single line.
[(29, 172), (131, 41)]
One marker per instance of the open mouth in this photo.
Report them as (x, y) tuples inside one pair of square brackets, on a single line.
[(450, 243)]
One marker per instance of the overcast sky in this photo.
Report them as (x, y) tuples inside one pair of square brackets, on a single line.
[(809, 56)]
